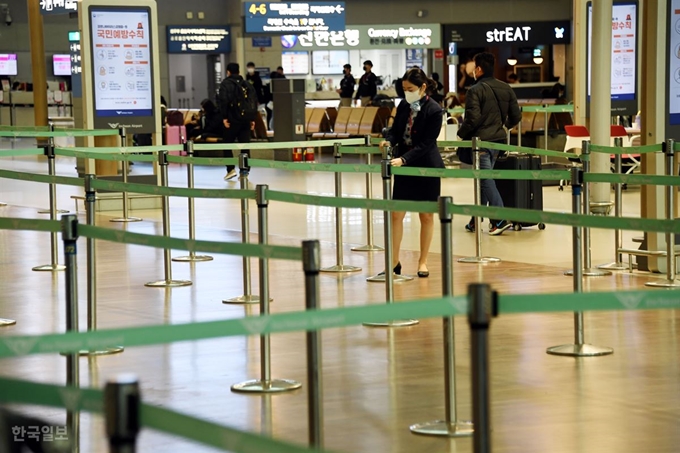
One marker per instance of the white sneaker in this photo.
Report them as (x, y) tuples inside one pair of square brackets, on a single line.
[(230, 175)]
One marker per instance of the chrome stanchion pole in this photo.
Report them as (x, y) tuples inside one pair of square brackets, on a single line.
[(265, 384), (478, 258), (671, 281), (121, 412), (545, 129), (618, 264), (483, 306), (90, 198), (588, 271), (451, 426), (167, 260), (126, 170), (54, 248), (69, 232), (339, 266), (519, 127), (369, 247), (247, 297), (51, 170), (579, 348), (192, 257), (388, 275), (311, 257)]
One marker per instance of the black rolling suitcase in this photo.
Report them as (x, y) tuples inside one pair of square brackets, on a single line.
[(521, 194)]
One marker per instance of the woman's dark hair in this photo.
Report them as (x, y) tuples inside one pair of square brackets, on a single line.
[(208, 106), (417, 77)]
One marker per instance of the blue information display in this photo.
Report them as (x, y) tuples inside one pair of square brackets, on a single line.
[(294, 18), (205, 39)]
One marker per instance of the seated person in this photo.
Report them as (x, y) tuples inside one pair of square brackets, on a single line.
[(209, 123)]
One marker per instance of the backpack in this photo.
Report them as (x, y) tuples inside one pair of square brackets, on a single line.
[(244, 105)]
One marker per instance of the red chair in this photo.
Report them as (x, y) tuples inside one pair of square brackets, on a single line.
[(575, 137), (632, 160)]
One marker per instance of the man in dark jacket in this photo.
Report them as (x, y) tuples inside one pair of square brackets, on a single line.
[(253, 77), (368, 85), (490, 107), (346, 87), (235, 129)]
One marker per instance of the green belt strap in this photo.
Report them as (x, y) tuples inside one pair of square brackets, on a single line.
[(523, 149), (650, 180), (279, 145), (21, 152), (211, 161), (11, 223), (162, 242), (359, 150), (454, 144), (303, 166), (353, 203), (535, 175), (104, 155), (560, 108), (63, 180), (457, 110), (116, 186), (127, 149), (59, 133), (626, 150), (24, 128)]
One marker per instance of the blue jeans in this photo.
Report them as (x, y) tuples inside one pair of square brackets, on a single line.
[(490, 194)]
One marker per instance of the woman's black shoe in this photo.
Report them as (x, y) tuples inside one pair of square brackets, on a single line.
[(396, 270), (423, 274)]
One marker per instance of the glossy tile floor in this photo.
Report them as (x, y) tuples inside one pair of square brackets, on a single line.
[(376, 382)]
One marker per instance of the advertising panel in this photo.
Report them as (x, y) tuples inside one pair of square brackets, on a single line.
[(292, 18), (329, 62), (8, 64), (673, 72), (207, 39), (61, 65), (295, 63)]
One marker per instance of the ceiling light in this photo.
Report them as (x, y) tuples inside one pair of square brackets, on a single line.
[(538, 60), (512, 61)]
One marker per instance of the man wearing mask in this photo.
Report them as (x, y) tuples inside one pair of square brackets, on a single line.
[(253, 77), (490, 107), (368, 85), (346, 87), (279, 70)]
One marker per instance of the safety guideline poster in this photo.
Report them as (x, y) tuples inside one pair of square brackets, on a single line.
[(674, 64)]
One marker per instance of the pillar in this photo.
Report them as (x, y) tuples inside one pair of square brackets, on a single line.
[(35, 25)]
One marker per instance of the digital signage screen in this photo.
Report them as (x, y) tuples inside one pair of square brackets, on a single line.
[(295, 63), (121, 62), (329, 62), (61, 65), (8, 64), (283, 18), (673, 69), (204, 39)]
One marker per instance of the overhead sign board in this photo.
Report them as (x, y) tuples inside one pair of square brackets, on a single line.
[(365, 37), (294, 17), (207, 39), (515, 33), (48, 7)]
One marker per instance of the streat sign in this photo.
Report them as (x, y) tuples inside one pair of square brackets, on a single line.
[(508, 34)]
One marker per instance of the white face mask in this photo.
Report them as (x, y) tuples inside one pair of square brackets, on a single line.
[(251, 71), (412, 96)]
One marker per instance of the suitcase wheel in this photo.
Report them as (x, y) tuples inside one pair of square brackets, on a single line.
[(541, 226), (517, 227)]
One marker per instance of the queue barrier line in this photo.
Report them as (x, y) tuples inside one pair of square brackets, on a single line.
[(210, 161), (539, 175), (626, 149), (164, 420), (359, 150), (302, 166), (559, 108), (22, 176), (22, 152), (526, 150), (123, 149), (161, 242), (24, 128), (278, 145), (354, 203), (649, 180), (117, 186), (119, 157), (12, 223), (456, 110), (59, 133)]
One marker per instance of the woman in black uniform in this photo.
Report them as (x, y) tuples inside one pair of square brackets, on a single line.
[(413, 136)]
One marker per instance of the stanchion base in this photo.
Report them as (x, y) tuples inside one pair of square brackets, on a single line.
[(244, 300), (591, 273), (479, 260), (341, 268), (7, 322), (380, 278), (49, 268), (442, 428), (368, 248), (664, 284), (193, 259), (59, 211), (107, 351), (2, 204), (397, 323), (273, 386), (614, 267), (126, 219), (168, 283), (579, 350)]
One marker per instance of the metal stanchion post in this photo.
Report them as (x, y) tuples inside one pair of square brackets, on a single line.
[(587, 270), (121, 411), (69, 232), (451, 426), (545, 129), (126, 170), (339, 266), (311, 257), (618, 264), (265, 384), (478, 258), (51, 170), (90, 197), (483, 306), (192, 257), (671, 281), (369, 247), (247, 297), (167, 261), (54, 248), (519, 127), (579, 348), (389, 278)]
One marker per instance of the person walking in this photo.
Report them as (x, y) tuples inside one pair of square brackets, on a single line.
[(368, 85), (238, 106), (346, 89), (414, 138), (253, 77), (490, 107)]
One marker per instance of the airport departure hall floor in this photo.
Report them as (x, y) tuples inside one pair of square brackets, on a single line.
[(377, 382)]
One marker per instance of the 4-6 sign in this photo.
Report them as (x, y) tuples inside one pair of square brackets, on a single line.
[(284, 18), (258, 9)]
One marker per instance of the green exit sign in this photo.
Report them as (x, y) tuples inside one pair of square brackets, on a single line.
[(74, 36)]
